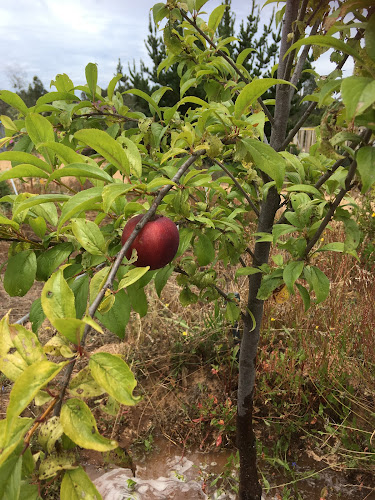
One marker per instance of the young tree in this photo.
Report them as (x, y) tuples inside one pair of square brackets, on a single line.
[(169, 164)]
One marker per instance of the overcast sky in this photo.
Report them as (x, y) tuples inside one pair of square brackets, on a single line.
[(47, 37)]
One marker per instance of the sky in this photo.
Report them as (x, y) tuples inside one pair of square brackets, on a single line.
[(48, 37)]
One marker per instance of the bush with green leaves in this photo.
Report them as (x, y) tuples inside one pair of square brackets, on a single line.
[(168, 162)]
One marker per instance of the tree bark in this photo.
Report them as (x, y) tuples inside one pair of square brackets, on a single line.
[(249, 487)]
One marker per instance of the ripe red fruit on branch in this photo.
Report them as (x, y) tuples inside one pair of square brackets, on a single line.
[(156, 244)]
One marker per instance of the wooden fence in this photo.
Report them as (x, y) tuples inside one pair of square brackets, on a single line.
[(304, 139)]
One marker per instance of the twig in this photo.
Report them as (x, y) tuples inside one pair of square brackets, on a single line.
[(333, 207), (229, 61), (38, 422), (238, 185), (120, 256)]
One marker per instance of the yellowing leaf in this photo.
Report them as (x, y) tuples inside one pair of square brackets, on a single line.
[(19, 348), (76, 485), (115, 376), (80, 426), (282, 295), (28, 384)]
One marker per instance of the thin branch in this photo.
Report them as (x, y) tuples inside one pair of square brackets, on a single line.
[(229, 61), (103, 113), (120, 256), (238, 185), (332, 208), (221, 292), (289, 63), (364, 140), (302, 59), (23, 320), (298, 125)]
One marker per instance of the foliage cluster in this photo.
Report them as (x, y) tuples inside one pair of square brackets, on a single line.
[(205, 162)]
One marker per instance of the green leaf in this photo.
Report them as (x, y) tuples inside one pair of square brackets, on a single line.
[(112, 84), (26, 158), (80, 426), (4, 220), (304, 188), (29, 491), (97, 282), (55, 96), (10, 440), (23, 170), (20, 273), (39, 200), (132, 276), (91, 72), (326, 41), (28, 384), (77, 485), (133, 155), (358, 93), (37, 315), (267, 159), (268, 285), (19, 348), (138, 300), (305, 296), (112, 191), (232, 312), (58, 298), (366, 167), (14, 100), (66, 154), (318, 281), (215, 17), (49, 260), (161, 278), (81, 170), (40, 130), (114, 375), (247, 271), (10, 487), (204, 250), (89, 236), (243, 55), (73, 328), (291, 273), (80, 287), (82, 201), (336, 246), (8, 123), (39, 226), (252, 91), (118, 316), (105, 145), (146, 97), (159, 11)]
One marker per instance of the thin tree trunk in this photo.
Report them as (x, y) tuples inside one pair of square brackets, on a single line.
[(249, 487)]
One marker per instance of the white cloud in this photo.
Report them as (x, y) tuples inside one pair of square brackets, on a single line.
[(47, 37)]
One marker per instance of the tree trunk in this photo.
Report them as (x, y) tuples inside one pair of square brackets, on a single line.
[(250, 488)]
